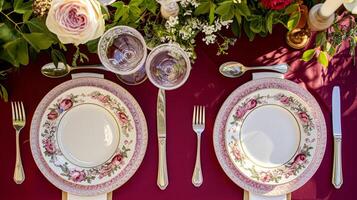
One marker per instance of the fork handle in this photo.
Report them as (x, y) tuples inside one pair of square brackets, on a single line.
[(162, 176), (19, 175), (197, 177)]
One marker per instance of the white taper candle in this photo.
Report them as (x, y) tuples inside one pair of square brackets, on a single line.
[(329, 7)]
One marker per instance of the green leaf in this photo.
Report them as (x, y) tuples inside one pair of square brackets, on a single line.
[(27, 16), (256, 25), (37, 25), (93, 45), (323, 59), (293, 20), (39, 41), (269, 22), (58, 56), (151, 5), (1, 4), (6, 34), (291, 8), (236, 28), (320, 38), (135, 2), (22, 52), (3, 93), (225, 10), (118, 4), (203, 8), (16, 52), (308, 54), (21, 7), (244, 9), (211, 12), (248, 31)]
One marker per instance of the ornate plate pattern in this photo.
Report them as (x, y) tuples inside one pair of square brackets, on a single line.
[(306, 159), (122, 164), (306, 148)]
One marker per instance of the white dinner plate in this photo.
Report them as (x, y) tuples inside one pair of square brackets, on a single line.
[(270, 136), (88, 136)]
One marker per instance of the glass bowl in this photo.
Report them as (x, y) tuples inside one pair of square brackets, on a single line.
[(122, 50), (168, 66)]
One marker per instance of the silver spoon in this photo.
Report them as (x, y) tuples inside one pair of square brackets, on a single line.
[(236, 69), (50, 70)]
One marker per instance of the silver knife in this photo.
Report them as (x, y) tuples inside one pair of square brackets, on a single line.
[(162, 176), (337, 177)]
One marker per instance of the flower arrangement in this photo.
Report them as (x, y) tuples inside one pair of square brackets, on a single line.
[(30, 26)]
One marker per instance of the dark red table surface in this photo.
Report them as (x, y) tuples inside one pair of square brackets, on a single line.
[(205, 86)]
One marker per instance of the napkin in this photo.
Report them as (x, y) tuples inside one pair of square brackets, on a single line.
[(251, 195), (68, 196)]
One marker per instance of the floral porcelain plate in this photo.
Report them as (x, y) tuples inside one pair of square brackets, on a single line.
[(270, 136), (88, 136)]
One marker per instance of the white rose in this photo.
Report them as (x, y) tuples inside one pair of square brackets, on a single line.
[(75, 21)]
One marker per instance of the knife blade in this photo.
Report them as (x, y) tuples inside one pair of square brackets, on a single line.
[(162, 175), (337, 176)]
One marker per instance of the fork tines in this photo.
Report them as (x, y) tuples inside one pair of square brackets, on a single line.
[(18, 111)]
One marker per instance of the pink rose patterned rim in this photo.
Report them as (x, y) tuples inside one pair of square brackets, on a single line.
[(293, 167), (223, 155), (115, 181)]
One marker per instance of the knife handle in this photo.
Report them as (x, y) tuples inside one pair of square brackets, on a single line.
[(337, 177), (162, 177)]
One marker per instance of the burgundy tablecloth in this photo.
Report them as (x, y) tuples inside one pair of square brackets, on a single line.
[(207, 87)]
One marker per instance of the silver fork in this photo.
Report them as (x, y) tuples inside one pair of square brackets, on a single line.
[(18, 121), (198, 125)]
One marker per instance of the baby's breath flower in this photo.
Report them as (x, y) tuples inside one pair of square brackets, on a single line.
[(172, 22), (210, 39)]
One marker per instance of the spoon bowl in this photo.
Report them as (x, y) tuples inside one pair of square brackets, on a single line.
[(50, 70), (236, 69)]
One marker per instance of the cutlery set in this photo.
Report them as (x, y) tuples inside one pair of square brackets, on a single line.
[(198, 125)]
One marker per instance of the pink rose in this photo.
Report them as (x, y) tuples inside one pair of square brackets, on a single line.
[(300, 158), (240, 112), (103, 99), (116, 159), (123, 118), (236, 153), (75, 21), (77, 176), (65, 104), (52, 115), (265, 176), (251, 104), (49, 147), (284, 100), (276, 4), (304, 117)]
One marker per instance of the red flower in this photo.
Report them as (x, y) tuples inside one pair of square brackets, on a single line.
[(65, 104), (300, 158), (123, 118), (116, 159), (284, 100), (276, 4), (265, 176), (240, 112), (304, 117), (77, 176), (103, 99), (49, 147), (251, 104), (52, 115)]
